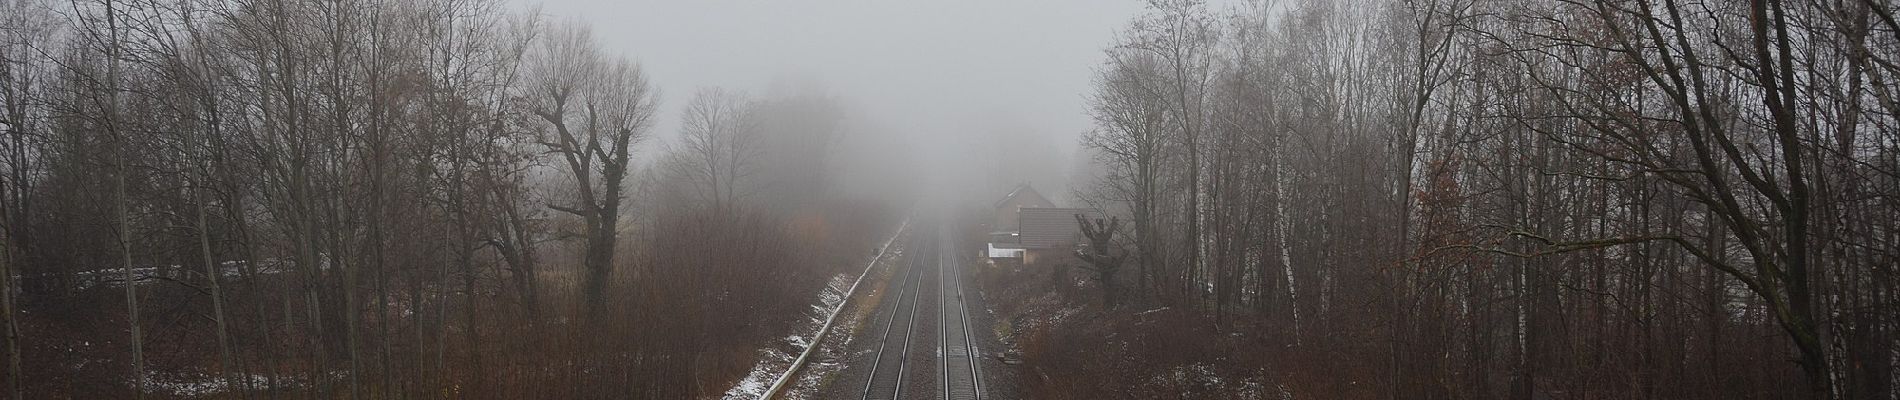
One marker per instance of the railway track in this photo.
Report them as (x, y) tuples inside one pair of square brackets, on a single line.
[(902, 366), (957, 346), (886, 379)]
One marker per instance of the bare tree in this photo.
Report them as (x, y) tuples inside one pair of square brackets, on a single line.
[(720, 136), (1101, 254), (1180, 35), (28, 25), (595, 108), (112, 46), (1473, 181), (1132, 140)]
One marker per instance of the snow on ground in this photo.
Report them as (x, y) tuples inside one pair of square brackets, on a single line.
[(755, 383), (1064, 314), (196, 384), (147, 274), (1203, 380), (772, 361), (1192, 378)]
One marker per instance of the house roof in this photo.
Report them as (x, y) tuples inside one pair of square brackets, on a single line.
[(1048, 227), (1029, 197)]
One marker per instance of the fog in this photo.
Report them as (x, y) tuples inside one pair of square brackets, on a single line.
[(987, 93), (825, 199)]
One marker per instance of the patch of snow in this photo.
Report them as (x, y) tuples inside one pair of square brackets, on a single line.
[(833, 298), (1065, 314), (200, 384), (754, 384), (1198, 379), (772, 361), (147, 274), (1252, 389)]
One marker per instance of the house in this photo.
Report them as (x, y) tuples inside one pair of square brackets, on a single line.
[(1027, 227), (1004, 224)]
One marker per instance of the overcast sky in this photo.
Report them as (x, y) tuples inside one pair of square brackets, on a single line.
[(927, 68)]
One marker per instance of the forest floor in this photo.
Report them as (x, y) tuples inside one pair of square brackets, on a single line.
[(1057, 335)]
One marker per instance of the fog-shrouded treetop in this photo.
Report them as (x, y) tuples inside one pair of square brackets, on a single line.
[(958, 83)]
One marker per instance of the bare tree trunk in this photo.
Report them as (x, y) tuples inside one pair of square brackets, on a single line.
[(13, 192), (214, 275), (7, 256), (121, 169)]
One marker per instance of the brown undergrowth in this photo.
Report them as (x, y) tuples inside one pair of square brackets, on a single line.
[(1072, 347)]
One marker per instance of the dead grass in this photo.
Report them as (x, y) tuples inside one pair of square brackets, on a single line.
[(1073, 348), (686, 318)]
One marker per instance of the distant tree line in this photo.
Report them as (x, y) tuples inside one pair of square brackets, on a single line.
[(401, 198), (1607, 199)]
